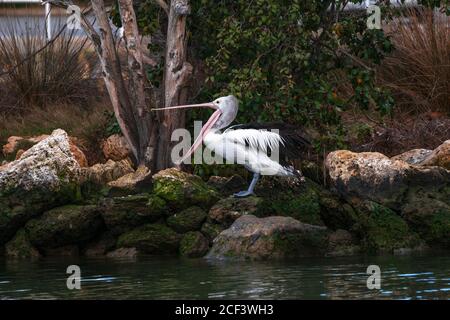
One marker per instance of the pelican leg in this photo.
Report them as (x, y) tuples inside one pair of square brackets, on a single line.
[(250, 189)]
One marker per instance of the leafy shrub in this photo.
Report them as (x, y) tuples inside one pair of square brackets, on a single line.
[(280, 58)]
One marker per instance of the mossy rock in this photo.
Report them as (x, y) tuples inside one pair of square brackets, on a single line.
[(151, 238), (227, 210), (382, 230), (301, 203), (65, 225), (211, 230), (181, 189), (336, 213), (20, 247), (187, 220), (122, 214), (18, 206), (194, 245), (431, 219), (275, 237)]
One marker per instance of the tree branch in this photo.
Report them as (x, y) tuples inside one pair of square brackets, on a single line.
[(163, 5)]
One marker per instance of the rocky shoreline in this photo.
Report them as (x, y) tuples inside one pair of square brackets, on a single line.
[(51, 204)]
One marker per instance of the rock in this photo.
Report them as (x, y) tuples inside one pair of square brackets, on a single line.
[(20, 247), (373, 176), (190, 219), (101, 246), (341, 243), (47, 175), (382, 230), (415, 156), (65, 251), (227, 186), (151, 238), (211, 230), (227, 210), (11, 146), (269, 238), (122, 214), (132, 183), (19, 154), (18, 145), (182, 189), (194, 245), (64, 226), (431, 219), (287, 198), (336, 213), (123, 253), (439, 157), (101, 174), (116, 148), (78, 155)]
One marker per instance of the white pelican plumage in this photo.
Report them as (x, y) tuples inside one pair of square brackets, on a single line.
[(261, 151)]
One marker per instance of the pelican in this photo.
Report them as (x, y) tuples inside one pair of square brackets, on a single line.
[(252, 145)]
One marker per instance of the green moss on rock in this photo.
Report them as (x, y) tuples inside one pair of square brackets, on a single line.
[(181, 189), (65, 225), (194, 245), (122, 214), (20, 247), (303, 206), (187, 220), (211, 230), (382, 230), (151, 238), (431, 219)]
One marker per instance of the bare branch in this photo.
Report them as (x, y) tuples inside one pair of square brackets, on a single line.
[(163, 5)]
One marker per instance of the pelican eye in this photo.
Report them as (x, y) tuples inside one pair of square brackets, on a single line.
[(217, 101)]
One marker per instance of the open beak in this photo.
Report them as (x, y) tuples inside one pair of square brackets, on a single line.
[(205, 129)]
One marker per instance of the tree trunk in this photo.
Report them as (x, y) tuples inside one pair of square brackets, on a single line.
[(144, 120), (176, 76), (112, 75)]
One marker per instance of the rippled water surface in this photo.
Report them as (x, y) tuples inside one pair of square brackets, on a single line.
[(405, 277)]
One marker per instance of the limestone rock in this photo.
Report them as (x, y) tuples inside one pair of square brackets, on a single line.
[(64, 226), (102, 173), (415, 156), (190, 219), (194, 245), (373, 176), (182, 189), (45, 176), (116, 148), (227, 210), (131, 183), (269, 238), (439, 156)]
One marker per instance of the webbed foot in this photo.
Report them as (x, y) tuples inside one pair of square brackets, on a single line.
[(243, 194)]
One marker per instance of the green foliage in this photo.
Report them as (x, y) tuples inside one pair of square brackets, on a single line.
[(280, 59), (112, 126)]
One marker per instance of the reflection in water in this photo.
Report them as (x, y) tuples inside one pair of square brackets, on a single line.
[(413, 277)]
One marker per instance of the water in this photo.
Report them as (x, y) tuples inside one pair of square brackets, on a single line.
[(404, 277)]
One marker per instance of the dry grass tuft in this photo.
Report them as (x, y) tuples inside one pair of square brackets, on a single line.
[(59, 73), (418, 72)]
